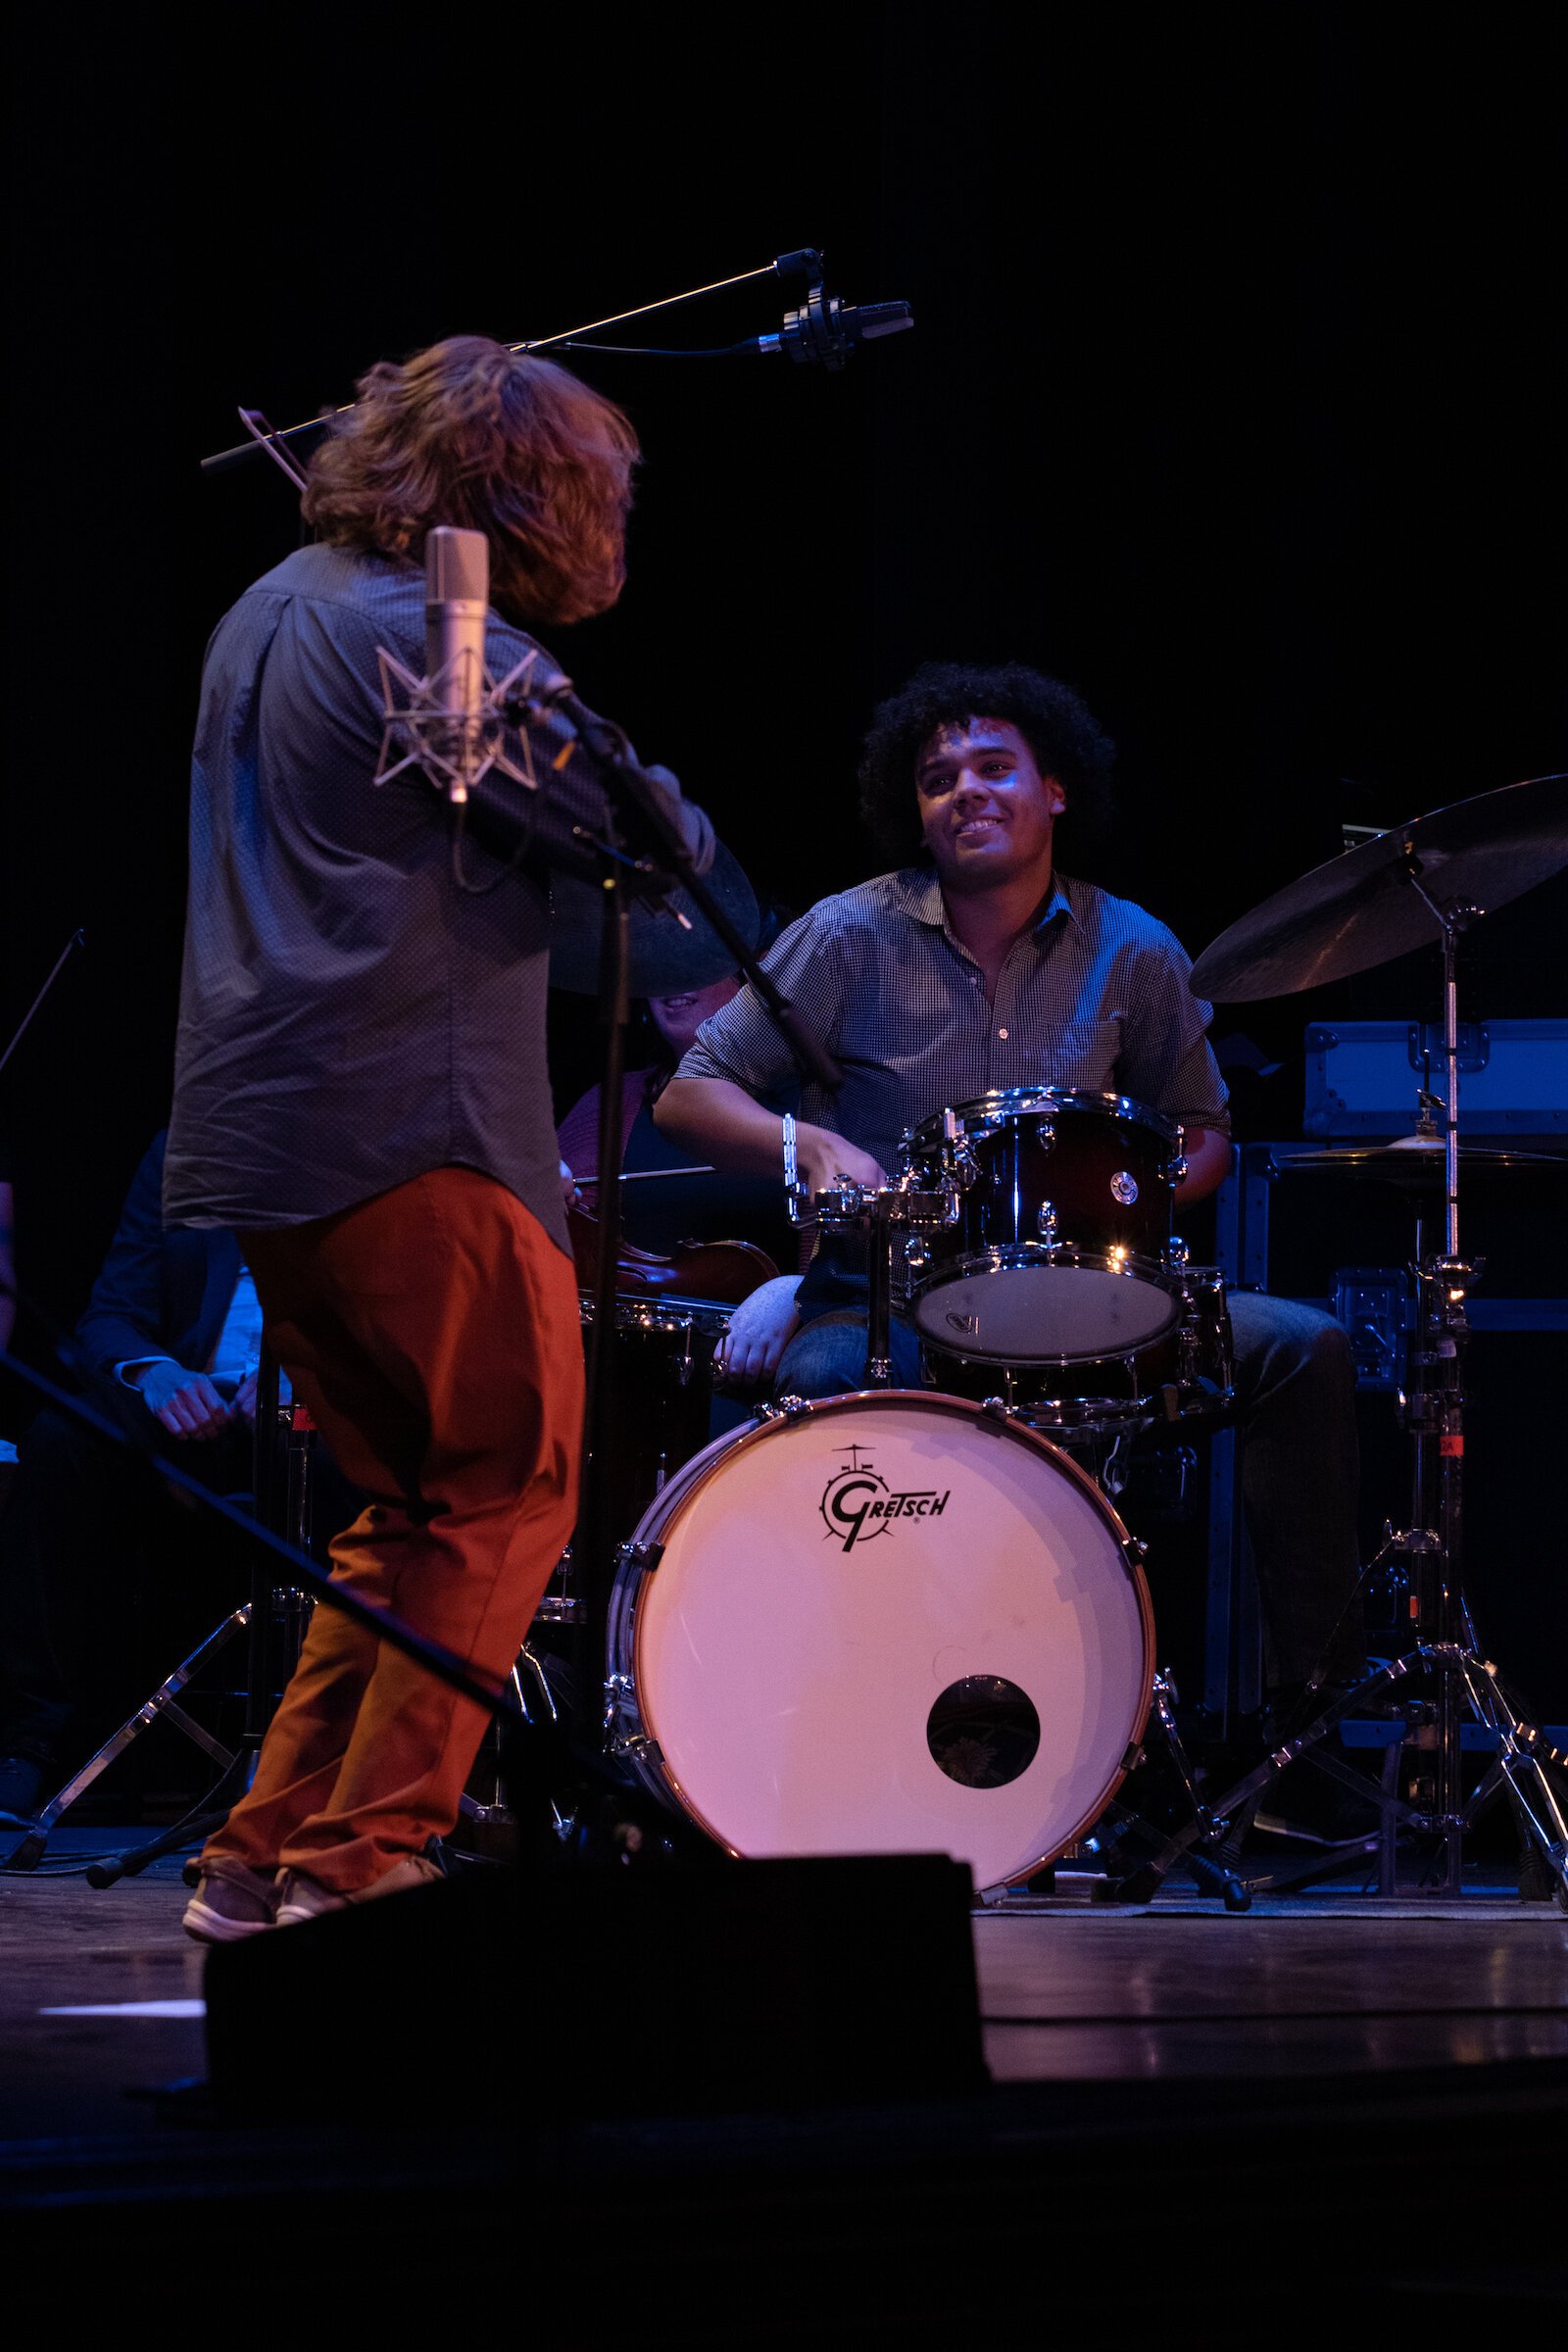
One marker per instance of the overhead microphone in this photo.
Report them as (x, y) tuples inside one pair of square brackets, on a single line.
[(825, 329), (450, 721)]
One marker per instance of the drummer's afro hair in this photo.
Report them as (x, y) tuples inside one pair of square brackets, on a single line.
[(1055, 725)]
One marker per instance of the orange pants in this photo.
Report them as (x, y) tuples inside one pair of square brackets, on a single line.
[(433, 1332)]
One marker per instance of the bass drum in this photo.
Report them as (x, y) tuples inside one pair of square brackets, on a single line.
[(887, 1622)]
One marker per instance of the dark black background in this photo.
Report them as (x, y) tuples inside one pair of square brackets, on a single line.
[(1236, 397)]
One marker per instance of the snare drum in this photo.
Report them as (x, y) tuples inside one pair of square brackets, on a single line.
[(1062, 1252), (1184, 1375), (887, 1622)]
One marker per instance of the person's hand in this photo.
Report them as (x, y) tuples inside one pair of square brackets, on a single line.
[(244, 1402), (822, 1157), (185, 1402), (568, 1183), (759, 1330)]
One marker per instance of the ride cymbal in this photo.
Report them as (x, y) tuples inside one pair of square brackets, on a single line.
[(1415, 1163), (1362, 908)]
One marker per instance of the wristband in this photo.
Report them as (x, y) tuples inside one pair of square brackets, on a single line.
[(791, 1182)]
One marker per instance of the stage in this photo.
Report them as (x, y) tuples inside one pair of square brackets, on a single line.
[(1333, 2093)]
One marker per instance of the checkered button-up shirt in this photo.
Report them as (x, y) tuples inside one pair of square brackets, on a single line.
[(1093, 996)]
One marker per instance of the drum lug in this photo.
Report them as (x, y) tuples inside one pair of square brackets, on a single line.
[(780, 1408), (997, 1408), (1135, 1552), (1132, 1759), (637, 1745), (1176, 1251), (623, 1732), (1046, 1220), (639, 1555)]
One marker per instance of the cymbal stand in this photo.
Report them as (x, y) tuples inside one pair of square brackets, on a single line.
[(1464, 1682)]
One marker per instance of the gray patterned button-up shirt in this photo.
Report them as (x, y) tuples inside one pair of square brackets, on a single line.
[(1095, 995), (353, 1013)]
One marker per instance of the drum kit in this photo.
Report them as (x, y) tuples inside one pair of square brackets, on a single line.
[(912, 1620)]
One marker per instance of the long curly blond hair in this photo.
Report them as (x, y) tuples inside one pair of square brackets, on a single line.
[(486, 439)]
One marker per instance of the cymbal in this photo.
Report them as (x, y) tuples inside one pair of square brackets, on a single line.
[(1359, 910), (1415, 1162), (665, 959)]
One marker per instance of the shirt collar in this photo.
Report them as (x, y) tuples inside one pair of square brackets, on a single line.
[(919, 892)]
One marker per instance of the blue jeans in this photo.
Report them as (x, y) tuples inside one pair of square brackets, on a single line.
[(1296, 1408)]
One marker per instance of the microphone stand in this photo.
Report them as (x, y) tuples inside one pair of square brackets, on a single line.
[(640, 849), (77, 939), (814, 332), (300, 1570)]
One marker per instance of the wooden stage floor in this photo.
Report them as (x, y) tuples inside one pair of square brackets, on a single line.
[(1311, 2050), (94, 1983)]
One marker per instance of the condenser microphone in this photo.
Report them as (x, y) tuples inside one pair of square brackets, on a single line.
[(457, 599), (450, 721), (825, 329)]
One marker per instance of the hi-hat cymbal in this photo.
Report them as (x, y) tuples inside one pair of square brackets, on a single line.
[(665, 959), (1415, 1162), (1361, 910)]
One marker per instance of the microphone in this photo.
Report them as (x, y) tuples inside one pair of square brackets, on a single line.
[(457, 599), (450, 721), (825, 329)]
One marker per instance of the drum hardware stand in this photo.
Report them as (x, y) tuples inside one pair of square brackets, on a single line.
[(879, 1211), (1197, 1847), (281, 1493), (497, 1813), (1534, 1773)]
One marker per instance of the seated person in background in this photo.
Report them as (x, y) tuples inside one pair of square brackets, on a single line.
[(979, 965), (688, 1205), (173, 1316)]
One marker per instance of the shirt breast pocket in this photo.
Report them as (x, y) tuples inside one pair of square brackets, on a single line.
[(1082, 1056)]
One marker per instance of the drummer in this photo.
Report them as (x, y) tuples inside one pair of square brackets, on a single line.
[(975, 965)]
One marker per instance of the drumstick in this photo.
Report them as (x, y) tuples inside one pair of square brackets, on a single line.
[(647, 1175)]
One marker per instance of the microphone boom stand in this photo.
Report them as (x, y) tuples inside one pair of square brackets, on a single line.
[(639, 847)]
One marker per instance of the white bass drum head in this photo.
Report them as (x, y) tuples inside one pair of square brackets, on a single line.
[(890, 1624)]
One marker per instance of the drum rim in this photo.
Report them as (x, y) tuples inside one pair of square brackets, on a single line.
[(1012, 1101), (1020, 1257), (676, 1497), (660, 1311)]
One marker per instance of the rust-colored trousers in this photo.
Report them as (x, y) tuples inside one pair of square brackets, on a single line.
[(434, 1334)]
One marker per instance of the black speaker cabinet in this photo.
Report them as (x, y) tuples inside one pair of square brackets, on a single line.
[(677, 1990)]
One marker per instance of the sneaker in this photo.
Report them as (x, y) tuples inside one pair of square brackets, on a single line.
[(21, 1785), (300, 1898), (231, 1901)]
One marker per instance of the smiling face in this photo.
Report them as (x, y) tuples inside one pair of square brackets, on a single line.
[(986, 810), (680, 1017)]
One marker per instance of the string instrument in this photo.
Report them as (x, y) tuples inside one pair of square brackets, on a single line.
[(728, 1271)]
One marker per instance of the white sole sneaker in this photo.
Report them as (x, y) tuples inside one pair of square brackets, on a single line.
[(306, 1898), (212, 1926)]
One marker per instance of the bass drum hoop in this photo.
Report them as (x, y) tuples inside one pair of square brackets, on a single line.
[(641, 1750)]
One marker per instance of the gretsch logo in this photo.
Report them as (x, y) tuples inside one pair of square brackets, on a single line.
[(858, 1504)]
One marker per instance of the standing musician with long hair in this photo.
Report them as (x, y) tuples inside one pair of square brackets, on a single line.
[(360, 1089)]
